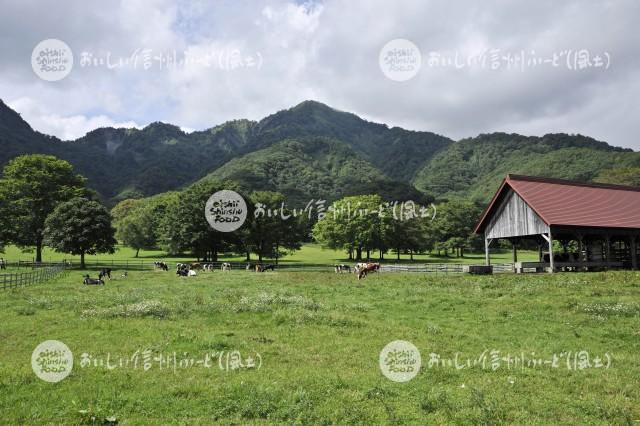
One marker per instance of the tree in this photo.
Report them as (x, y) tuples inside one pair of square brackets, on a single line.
[(80, 226), (124, 208), (408, 235), (272, 231), (352, 224), (620, 176), (136, 230), (185, 227), (453, 225), (30, 189)]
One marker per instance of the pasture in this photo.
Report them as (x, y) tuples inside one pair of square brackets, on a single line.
[(319, 336), (309, 253)]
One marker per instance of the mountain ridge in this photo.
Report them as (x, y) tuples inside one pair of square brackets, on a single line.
[(131, 163)]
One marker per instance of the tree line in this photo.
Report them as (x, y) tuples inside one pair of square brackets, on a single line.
[(43, 202)]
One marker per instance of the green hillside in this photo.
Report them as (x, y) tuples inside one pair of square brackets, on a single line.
[(474, 167), (315, 151), (313, 168)]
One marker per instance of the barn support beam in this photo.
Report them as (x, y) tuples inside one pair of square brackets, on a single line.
[(487, 243), (634, 254), (607, 249), (549, 239), (515, 250)]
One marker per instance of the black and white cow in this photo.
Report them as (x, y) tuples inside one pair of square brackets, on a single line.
[(92, 281)]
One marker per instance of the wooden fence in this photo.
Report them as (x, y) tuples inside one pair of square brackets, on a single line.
[(444, 268), (38, 274), (147, 265)]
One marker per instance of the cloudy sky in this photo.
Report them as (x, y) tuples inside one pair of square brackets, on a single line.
[(514, 66)]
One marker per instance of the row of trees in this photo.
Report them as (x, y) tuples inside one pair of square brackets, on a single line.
[(360, 225), (43, 202), (176, 223)]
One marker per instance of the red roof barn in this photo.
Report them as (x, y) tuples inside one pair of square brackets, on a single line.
[(596, 224)]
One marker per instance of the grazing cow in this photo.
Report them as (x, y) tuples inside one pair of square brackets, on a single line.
[(3, 264), (161, 265), (226, 266), (262, 268), (356, 269), (208, 267), (248, 267), (342, 268), (105, 272), (92, 281), (365, 270)]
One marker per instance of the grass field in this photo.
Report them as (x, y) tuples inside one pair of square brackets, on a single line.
[(310, 253), (319, 336)]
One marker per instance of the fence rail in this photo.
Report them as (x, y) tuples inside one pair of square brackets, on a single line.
[(146, 265), (444, 268), (37, 275)]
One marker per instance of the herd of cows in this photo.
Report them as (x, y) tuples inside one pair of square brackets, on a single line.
[(192, 269)]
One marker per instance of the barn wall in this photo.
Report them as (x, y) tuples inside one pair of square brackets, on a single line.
[(514, 218)]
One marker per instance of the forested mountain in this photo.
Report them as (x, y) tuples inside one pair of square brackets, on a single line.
[(124, 163), (313, 167), (474, 167), (312, 151)]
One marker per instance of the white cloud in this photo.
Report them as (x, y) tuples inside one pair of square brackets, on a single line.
[(64, 127), (328, 51)]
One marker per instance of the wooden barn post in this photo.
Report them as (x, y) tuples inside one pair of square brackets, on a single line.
[(549, 239), (487, 243)]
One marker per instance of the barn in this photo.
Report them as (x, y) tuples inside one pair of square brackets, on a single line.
[(596, 225)]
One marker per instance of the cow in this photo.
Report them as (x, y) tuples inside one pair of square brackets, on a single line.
[(92, 281), (358, 266), (3, 264), (105, 272), (262, 268), (365, 270), (192, 273), (208, 267), (195, 266), (342, 268), (161, 265), (226, 266)]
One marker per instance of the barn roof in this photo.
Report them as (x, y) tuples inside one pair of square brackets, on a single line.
[(565, 202)]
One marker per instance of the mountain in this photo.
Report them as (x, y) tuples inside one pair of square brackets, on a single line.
[(474, 167), (398, 153), (126, 163), (313, 151), (313, 168)]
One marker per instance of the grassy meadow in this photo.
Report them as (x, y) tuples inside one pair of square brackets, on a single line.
[(319, 336), (309, 253)]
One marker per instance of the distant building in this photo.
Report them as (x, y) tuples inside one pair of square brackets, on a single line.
[(597, 225)]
